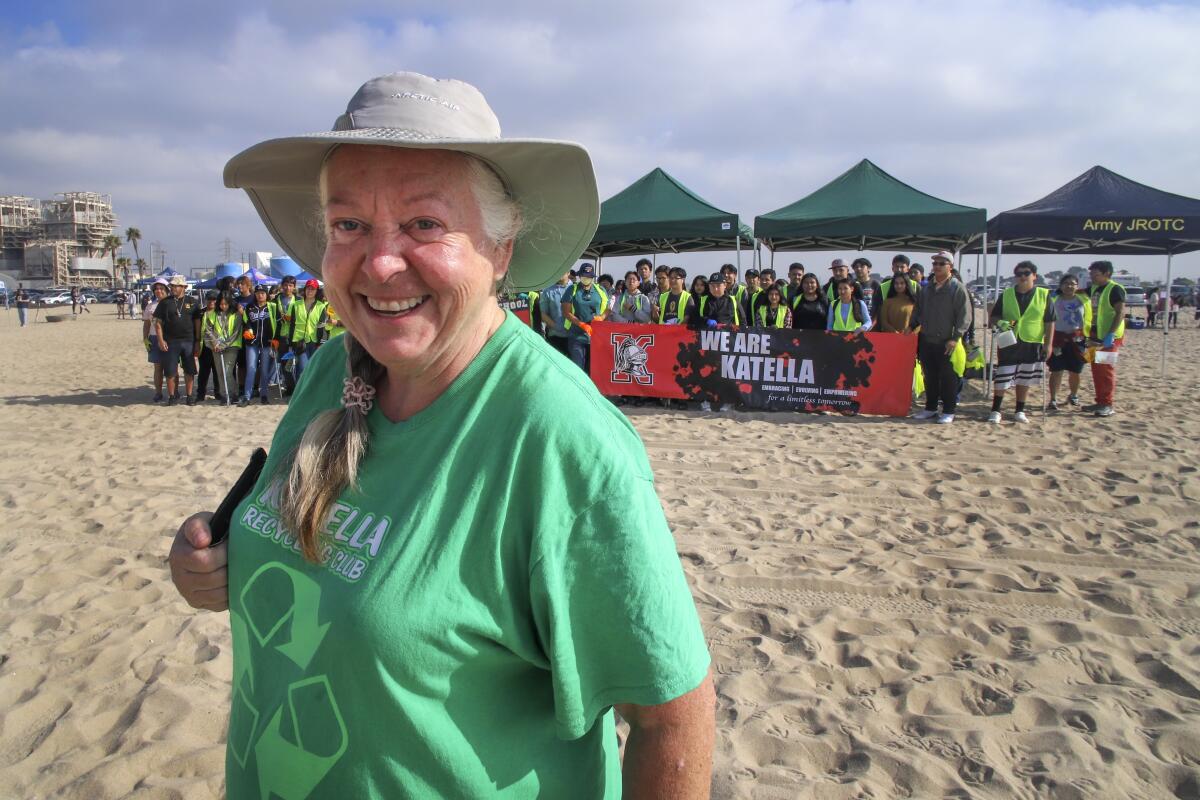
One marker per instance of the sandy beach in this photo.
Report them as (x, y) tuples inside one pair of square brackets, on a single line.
[(894, 609)]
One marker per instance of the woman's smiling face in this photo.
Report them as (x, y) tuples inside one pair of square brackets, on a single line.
[(408, 264)]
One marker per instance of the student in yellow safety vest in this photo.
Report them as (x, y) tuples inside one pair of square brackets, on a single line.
[(309, 313), (221, 330), (674, 305), (1026, 310), (206, 363), (847, 313), (1072, 318), (1108, 330), (774, 313)]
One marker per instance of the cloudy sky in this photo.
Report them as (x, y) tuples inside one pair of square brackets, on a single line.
[(752, 105)]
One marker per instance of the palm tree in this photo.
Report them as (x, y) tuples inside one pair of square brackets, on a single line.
[(133, 235), (123, 265), (112, 243)]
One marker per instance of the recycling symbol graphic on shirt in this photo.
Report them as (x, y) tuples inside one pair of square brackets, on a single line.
[(296, 743)]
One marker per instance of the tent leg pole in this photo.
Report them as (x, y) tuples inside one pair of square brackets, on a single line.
[(1166, 319), (999, 253), (987, 329), (738, 242), (772, 260)]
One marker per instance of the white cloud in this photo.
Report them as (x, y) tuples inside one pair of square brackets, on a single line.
[(987, 103)]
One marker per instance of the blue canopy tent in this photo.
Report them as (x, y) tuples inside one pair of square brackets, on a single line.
[(260, 277), (303, 277), (166, 275)]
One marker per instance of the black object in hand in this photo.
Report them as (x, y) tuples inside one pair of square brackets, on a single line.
[(219, 524)]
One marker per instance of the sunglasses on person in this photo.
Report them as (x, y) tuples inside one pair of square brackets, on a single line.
[(1023, 273), (939, 262)]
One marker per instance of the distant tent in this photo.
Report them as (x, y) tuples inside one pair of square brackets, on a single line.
[(658, 214), (865, 208), (257, 277), (282, 267), (166, 275), (303, 277), (1101, 213)]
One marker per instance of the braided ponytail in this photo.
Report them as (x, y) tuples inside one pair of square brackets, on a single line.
[(327, 459)]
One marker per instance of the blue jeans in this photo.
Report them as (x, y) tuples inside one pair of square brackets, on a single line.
[(21, 315), (260, 363), (302, 359), (579, 348)]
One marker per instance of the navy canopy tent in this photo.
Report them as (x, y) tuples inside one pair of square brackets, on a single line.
[(1100, 213)]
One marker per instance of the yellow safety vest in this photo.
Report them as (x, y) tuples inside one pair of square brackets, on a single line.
[(780, 316), (211, 320), (681, 309), (1104, 313), (847, 325), (737, 318), (1030, 325), (603, 303), (305, 321), (332, 316), (886, 286)]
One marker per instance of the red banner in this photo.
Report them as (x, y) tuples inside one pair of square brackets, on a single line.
[(761, 368)]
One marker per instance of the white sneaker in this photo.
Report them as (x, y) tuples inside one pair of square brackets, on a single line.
[(945, 419), (925, 414), (994, 417), (726, 407), (1020, 417), (705, 406)]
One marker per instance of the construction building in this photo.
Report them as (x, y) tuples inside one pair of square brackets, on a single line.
[(58, 242)]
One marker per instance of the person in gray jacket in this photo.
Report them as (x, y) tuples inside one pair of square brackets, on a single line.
[(943, 315), (631, 305)]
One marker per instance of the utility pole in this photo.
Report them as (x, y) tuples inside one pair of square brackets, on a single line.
[(228, 248)]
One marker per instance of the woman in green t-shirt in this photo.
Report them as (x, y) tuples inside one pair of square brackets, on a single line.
[(424, 588)]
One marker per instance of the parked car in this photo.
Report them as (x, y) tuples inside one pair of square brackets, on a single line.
[(56, 299), (1135, 297)]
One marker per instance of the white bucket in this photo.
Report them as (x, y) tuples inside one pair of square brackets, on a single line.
[(1005, 339), (1106, 357)]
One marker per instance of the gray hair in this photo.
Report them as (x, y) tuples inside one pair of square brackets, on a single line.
[(327, 458)]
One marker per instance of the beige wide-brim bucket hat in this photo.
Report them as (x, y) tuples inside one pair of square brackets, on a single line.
[(552, 180)]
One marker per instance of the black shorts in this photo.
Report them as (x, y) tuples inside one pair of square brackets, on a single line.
[(1069, 358), (177, 350)]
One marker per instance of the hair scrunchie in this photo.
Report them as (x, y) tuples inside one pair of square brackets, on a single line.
[(357, 394)]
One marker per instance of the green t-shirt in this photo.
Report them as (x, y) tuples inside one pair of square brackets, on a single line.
[(483, 604)]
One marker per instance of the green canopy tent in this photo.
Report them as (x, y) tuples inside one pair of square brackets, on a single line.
[(865, 208), (658, 214)]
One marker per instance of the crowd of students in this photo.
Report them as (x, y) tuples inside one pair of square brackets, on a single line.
[(938, 309), (236, 341)]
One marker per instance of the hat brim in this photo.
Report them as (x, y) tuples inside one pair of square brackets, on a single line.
[(553, 181)]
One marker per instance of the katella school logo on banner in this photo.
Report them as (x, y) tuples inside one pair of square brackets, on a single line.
[(630, 354)]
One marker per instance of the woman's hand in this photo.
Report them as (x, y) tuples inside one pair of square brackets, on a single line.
[(198, 571)]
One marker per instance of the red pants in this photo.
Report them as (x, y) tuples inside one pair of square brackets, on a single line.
[(1104, 376)]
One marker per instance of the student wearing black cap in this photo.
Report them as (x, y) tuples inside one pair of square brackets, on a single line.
[(582, 304), (717, 307), (261, 325)]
